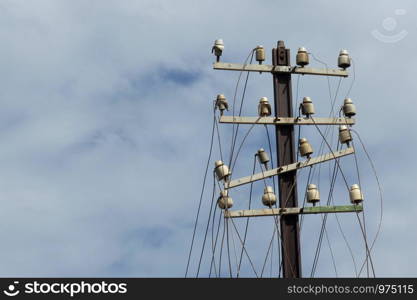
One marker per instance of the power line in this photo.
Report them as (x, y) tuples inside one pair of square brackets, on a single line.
[(201, 196)]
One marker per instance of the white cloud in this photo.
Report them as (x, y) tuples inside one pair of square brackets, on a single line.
[(102, 146)]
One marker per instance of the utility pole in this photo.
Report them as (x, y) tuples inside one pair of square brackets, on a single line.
[(287, 166), (291, 258)]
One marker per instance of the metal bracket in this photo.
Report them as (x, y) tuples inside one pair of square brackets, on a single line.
[(279, 69), (288, 168), (292, 211), (286, 121)]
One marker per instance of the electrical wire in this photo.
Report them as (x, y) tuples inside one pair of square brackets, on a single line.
[(241, 144), (234, 134), (247, 220), (336, 168), (363, 215), (273, 180), (219, 140), (201, 197), (321, 149), (226, 224), (213, 260), (244, 248), (323, 225), (234, 250), (270, 154), (276, 224), (354, 78), (379, 190), (207, 227), (221, 251)]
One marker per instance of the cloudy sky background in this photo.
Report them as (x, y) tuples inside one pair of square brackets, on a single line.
[(105, 118)]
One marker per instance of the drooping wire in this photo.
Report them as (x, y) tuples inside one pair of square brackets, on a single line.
[(273, 180), (334, 156), (208, 223), (201, 196), (305, 196), (234, 250), (379, 190), (353, 80), (323, 232), (244, 248), (332, 102), (226, 224), (368, 254), (330, 195), (323, 225), (270, 154), (277, 229), (363, 215), (331, 250), (213, 260), (241, 144), (267, 253), (272, 261), (219, 140), (247, 220), (235, 133), (321, 149)]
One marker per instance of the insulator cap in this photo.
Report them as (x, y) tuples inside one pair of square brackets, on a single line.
[(305, 148), (260, 54), (219, 42), (221, 103), (224, 201), (264, 108), (221, 170), (307, 107), (344, 134), (355, 194), (343, 60), (263, 100), (313, 195), (302, 57), (263, 156), (269, 198), (349, 109)]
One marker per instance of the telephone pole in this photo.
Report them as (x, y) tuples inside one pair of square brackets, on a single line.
[(291, 259), (284, 123)]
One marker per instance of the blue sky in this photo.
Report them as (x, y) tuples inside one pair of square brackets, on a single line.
[(105, 115)]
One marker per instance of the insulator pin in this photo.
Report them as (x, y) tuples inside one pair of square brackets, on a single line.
[(349, 109), (302, 57), (307, 107), (355, 194), (264, 108), (224, 201), (221, 170), (305, 148), (269, 198), (343, 60)]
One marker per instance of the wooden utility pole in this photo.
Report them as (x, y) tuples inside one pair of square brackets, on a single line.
[(284, 123), (291, 258)]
